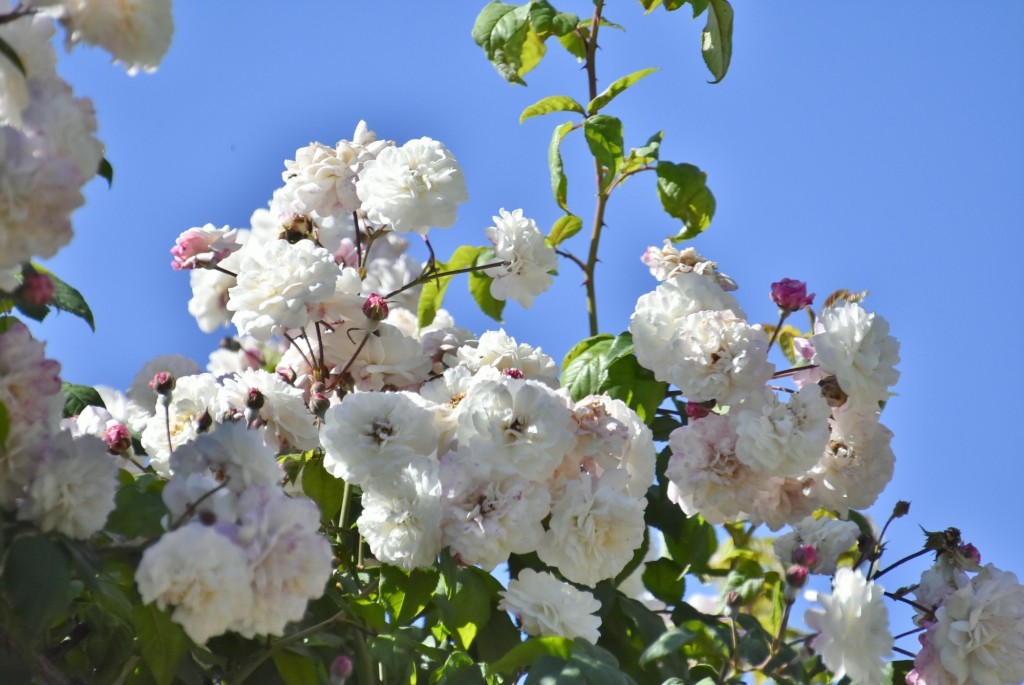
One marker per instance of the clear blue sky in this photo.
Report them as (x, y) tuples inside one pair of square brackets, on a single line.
[(870, 146)]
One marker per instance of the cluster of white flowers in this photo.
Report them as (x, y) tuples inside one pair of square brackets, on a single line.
[(48, 146), (973, 624), (758, 458)]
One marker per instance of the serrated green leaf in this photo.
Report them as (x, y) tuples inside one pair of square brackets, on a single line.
[(36, 579), (684, 194), (559, 183), (407, 595), (320, 486), (716, 40), (8, 52), (78, 397), (564, 228), (583, 345), (552, 103), (616, 88), (604, 138), (433, 291), (66, 298), (502, 30), (106, 172), (526, 653), (162, 641), (583, 373), (547, 21), (295, 669)]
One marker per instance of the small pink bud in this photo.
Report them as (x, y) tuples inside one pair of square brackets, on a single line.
[(37, 289), (806, 556), (796, 575), (375, 307), (971, 552), (162, 383), (341, 670), (287, 374), (512, 373), (117, 438), (791, 295), (696, 411), (319, 404)]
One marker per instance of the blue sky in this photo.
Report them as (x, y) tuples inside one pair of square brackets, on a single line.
[(852, 145)]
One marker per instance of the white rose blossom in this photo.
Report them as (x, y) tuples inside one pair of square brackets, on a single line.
[(413, 187), (402, 514), (856, 347), (669, 261), (547, 606), (276, 283), (782, 439), (193, 397), (518, 241), (136, 32), (609, 436), (205, 575), (857, 464), (237, 456), (283, 415), (144, 396), (501, 351), (829, 537), (594, 529), (853, 635), (29, 36)]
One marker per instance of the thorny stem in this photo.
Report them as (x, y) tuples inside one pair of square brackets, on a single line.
[(427, 275)]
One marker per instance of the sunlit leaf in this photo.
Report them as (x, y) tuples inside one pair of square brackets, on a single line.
[(616, 88), (716, 40), (559, 183), (552, 103), (564, 228), (684, 194)]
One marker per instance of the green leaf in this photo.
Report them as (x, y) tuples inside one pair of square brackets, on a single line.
[(461, 669), (106, 171), (566, 227), (547, 21), (684, 194), (78, 397), (626, 380), (604, 138), (559, 183), (501, 30), (37, 580), (617, 87), (295, 669), (552, 103), (526, 653), (584, 367), (139, 508), (470, 601), (667, 644), (323, 488), (5, 426), (66, 298), (8, 52), (162, 641), (574, 45), (665, 579), (480, 288), (650, 5), (407, 595), (640, 157), (716, 40), (432, 294)]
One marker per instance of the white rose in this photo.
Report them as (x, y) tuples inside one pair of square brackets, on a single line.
[(547, 606)]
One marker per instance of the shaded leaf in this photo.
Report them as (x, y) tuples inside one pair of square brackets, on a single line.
[(407, 594), (139, 508), (552, 103), (684, 194), (616, 88), (668, 643), (626, 380), (433, 291), (665, 579), (320, 486), (604, 138), (559, 183), (526, 653), (716, 40), (564, 228), (65, 298), (480, 288), (8, 52), (162, 641), (295, 669), (548, 21), (78, 397), (106, 172), (37, 580)]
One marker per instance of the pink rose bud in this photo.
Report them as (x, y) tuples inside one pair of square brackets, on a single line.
[(37, 289), (319, 403), (696, 411), (512, 373), (971, 552), (791, 294), (341, 670), (287, 374), (118, 439), (796, 576), (806, 556), (375, 307), (162, 383)]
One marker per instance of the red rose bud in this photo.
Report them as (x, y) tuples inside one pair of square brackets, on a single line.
[(375, 307), (806, 556), (971, 552), (696, 411), (341, 670), (796, 576), (117, 439), (37, 289), (512, 373), (162, 383), (791, 294)]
